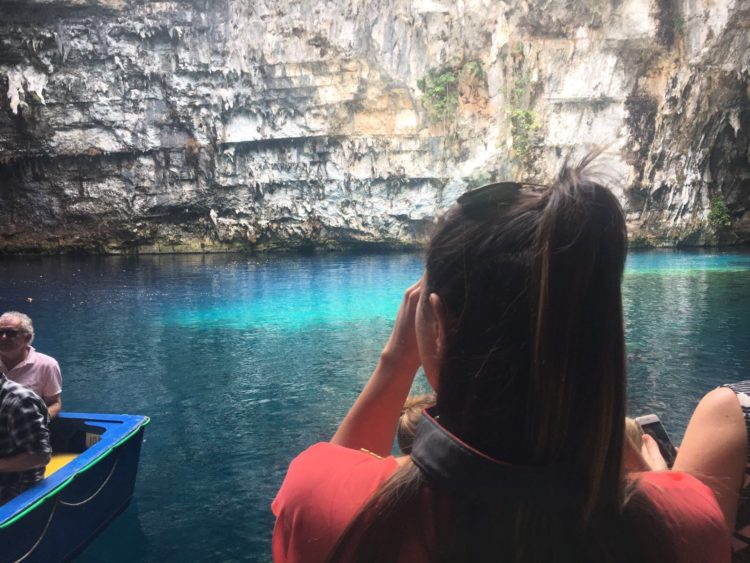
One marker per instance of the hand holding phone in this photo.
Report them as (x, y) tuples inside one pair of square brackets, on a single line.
[(652, 455), (651, 425)]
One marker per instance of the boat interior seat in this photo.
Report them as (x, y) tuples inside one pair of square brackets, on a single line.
[(69, 439), (58, 461)]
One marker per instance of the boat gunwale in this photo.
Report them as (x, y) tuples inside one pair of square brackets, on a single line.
[(112, 438)]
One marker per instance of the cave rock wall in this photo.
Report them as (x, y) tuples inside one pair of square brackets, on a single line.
[(187, 125)]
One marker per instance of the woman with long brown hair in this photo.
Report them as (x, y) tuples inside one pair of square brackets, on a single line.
[(517, 323)]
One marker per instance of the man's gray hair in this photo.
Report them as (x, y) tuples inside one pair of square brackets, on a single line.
[(25, 322)]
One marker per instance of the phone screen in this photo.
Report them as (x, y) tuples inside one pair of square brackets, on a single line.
[(655, 429)]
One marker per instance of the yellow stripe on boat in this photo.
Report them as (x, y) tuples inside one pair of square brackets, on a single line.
[(58, 461)]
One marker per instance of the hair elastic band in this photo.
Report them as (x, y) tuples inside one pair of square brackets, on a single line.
[(452, 464)]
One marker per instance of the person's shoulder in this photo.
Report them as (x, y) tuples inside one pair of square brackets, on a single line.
[(690, 508), (329, 449), (675, 481), (325, 456), (324, 488), (681, 490), (20, 395), (44, 359), (18, 391), (324, 470)]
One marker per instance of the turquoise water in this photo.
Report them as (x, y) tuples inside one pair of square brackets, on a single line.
[(687, 329), (242, 362)]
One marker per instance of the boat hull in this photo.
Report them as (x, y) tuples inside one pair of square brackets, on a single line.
[(59, 516)]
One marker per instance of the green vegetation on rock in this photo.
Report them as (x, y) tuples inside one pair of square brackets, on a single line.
[(473, 70), (523, 124), (523, 121), (718, 216), (520, 89), (441, 88), (472, 80), (439, 93), (642, 242)]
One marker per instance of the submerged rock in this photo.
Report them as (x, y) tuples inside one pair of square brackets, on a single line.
[(224, 125)]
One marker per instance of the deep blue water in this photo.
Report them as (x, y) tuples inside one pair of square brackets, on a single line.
[(242, 362)]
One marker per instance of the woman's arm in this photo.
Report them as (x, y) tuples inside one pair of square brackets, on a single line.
[(371, 422), (715, 448)]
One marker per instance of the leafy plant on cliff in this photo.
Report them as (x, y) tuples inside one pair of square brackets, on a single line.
[(473, 69), (520, 89), (523, 124), (471, 80), (444, 88), (439, 93), (718, 215), (523, 121)]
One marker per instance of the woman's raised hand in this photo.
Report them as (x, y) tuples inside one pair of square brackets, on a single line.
[(401, 350), (371, 422)]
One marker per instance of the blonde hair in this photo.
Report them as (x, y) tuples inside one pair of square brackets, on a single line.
[(411, 413), (632, 457), (633, 433)]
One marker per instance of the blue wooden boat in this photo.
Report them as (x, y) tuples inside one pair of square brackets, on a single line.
[(89, 481)]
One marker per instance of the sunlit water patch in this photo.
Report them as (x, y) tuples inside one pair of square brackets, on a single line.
[(291, 296), (685, 263)]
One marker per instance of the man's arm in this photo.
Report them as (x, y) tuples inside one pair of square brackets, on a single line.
[(51, 392), (28, 429), (54, 405), (23, 462)]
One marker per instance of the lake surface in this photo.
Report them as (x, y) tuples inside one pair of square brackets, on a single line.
[(241, 362)]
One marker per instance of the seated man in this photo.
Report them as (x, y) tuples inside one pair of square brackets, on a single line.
[(24, 439), (22, 364)]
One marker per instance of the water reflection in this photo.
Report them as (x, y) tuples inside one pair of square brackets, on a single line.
[(123, 541), (686, 334)]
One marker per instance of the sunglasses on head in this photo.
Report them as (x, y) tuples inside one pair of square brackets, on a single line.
[(9, 332), (497, 194)]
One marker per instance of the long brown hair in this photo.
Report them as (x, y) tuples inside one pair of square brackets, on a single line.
[(533, 374)]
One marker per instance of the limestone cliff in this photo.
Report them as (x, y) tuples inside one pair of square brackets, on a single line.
[(210, 125)]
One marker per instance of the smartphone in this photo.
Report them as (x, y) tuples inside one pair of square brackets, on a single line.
[(651, 425)]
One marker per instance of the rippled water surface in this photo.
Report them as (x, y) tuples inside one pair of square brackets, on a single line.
[(242, 362)]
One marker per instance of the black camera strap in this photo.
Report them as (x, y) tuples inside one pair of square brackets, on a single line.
[(450, 463)]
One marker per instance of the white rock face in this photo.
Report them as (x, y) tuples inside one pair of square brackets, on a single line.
[(158, 126)]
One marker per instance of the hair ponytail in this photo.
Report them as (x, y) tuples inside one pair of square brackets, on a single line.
[(578, 336)]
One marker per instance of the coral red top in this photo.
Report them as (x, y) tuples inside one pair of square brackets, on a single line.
[(327, 484)]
